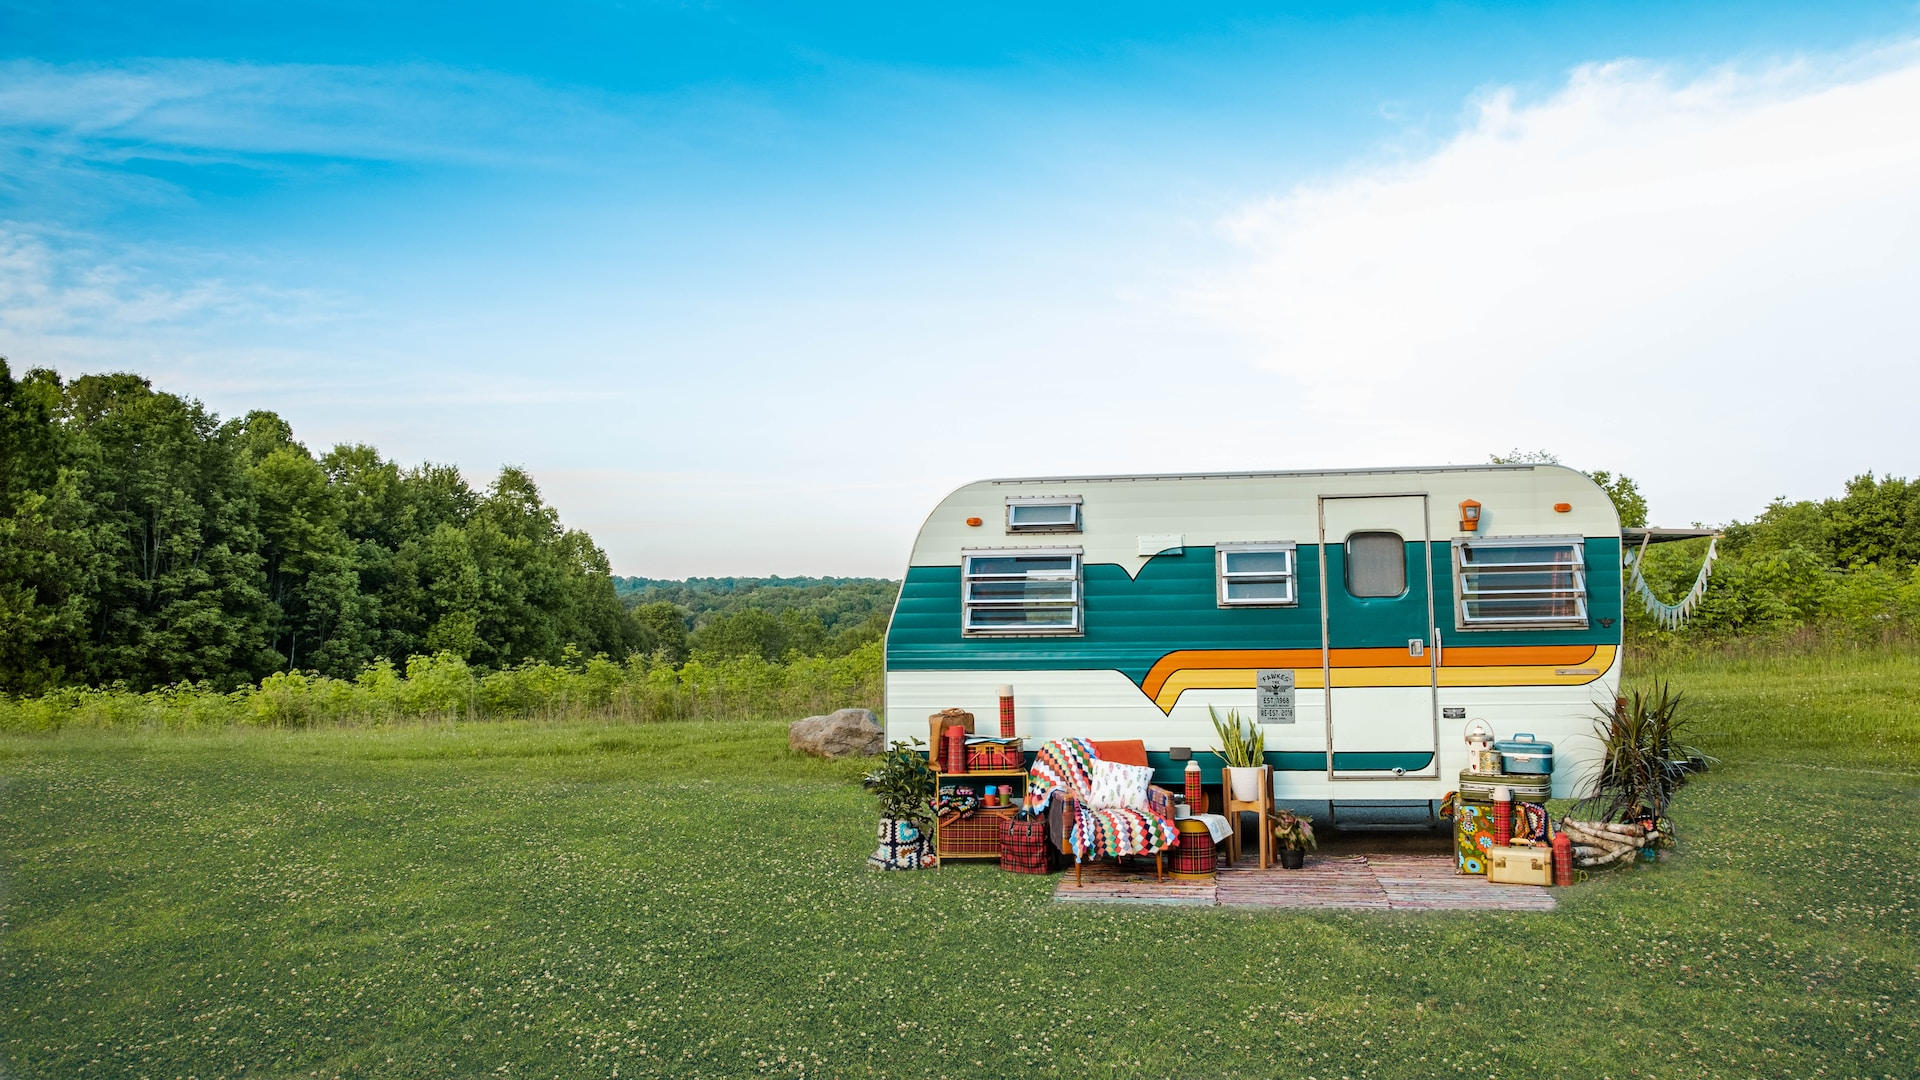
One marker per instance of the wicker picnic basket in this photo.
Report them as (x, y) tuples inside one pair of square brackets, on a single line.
[(974, 834)]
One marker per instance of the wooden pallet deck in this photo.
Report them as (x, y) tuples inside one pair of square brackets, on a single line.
[(1345, 882)]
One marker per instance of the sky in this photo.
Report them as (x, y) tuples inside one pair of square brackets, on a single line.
[(749, 288)]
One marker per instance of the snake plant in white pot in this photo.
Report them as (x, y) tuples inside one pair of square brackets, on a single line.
[(1242, 750)]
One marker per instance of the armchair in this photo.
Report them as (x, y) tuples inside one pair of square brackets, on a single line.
[(1059, 782)]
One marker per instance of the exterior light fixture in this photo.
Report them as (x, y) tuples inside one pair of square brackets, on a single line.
[(1469, 515)]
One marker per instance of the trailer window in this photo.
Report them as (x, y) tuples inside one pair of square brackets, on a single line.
[(1044, 514), (1255, 575), (1029, 592), (1524, 581), (1376, 564)]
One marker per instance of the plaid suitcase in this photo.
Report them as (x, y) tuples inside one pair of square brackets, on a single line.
[(1023, 845)]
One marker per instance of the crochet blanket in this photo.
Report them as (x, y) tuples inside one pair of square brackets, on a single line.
[(1061, 765), (1065, 766)]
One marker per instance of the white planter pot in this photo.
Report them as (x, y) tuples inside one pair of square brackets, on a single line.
[(1245, 783)]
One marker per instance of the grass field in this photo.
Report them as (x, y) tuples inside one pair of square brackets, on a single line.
[(686, 900)]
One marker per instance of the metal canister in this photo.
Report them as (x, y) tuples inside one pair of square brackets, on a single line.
[(1481, 755), (956, 749)]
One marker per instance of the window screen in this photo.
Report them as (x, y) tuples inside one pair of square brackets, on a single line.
[(1525, 581), (1255, 575), (1376, 564), (1025, 593)]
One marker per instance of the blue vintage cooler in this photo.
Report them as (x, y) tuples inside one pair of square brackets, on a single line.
[(1525, 754)]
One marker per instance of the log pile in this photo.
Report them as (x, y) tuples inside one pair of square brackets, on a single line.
[(1603, 843)]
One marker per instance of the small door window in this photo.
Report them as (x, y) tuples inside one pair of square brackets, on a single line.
[(1376, 564)]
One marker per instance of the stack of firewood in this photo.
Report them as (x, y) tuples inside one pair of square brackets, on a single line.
[(1602, 843)]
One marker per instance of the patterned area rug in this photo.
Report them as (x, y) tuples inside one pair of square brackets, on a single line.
[(1347, 882)]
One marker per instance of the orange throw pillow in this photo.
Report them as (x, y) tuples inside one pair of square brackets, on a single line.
[(1121, 751)]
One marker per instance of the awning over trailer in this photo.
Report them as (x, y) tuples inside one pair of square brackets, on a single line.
[(1636, 537)]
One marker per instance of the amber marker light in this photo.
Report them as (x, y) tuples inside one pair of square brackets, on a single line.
[(1561, 508), (975, 522)]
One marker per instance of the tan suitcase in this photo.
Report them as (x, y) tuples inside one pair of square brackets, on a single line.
[(1520, 865)]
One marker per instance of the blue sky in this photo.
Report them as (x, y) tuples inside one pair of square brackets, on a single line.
[(748, 289)]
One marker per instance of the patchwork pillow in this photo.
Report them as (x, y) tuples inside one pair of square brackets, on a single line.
[(1118, 785)]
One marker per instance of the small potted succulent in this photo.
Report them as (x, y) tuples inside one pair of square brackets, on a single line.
[(1294, 833)]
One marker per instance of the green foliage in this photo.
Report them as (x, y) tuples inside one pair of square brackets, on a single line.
[(1627, 500), (1242, 744), (445, 687), (145, 543), (904, 783), (1845, 567), (1294, 831), (770, 618)]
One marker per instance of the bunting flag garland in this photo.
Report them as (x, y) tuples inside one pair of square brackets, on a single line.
[(1670, 616)]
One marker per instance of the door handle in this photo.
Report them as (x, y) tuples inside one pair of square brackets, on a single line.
[(1416, 647)]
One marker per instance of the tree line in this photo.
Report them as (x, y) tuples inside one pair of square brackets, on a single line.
[(1847, 566), (764, 618), (144, 541)]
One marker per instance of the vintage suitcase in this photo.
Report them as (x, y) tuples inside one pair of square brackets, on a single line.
[(1472, 835), (1520, 865), (1525, 754), (1478, 787)]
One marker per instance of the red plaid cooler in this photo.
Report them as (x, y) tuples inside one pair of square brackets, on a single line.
[(1023, 846), (1193, 857)]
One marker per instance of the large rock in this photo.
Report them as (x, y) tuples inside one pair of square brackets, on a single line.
[(843, 733)]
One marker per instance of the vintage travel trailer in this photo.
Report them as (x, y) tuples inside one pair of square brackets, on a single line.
[(1365, 617)]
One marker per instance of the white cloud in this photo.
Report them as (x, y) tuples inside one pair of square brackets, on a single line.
[(1708, 283)]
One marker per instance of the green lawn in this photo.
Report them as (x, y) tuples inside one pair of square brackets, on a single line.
[(689, 901)]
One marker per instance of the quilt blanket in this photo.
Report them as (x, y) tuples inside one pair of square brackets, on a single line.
[(1065, 766)]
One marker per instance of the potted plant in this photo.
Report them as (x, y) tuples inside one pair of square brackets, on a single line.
[(1242, 750), (905, 785), (1294, 833)]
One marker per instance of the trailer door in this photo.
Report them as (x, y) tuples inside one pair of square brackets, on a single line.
[(1377, 637)]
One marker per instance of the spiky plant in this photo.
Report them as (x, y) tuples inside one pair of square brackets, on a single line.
[(1643, 759), (1242, 744)]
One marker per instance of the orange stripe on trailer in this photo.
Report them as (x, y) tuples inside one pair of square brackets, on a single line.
[(1302, 659), (1570, 665)]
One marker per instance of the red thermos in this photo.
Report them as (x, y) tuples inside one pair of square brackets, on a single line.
[(1193, 785), (1502, 815), (1562, 859), (956, 737), (1006, 712)]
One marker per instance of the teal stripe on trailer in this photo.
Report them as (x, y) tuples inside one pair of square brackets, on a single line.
[(1173, 604), (1170, 773)]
